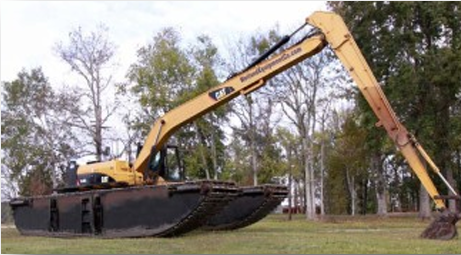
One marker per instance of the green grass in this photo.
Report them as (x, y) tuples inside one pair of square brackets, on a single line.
[(273, 235)]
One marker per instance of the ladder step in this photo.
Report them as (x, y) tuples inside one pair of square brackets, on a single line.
[(86, 216), (54, 216)]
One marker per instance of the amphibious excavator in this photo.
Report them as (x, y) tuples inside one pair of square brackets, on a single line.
[(119, 199)]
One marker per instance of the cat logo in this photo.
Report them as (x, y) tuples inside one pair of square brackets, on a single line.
[(220, 93)]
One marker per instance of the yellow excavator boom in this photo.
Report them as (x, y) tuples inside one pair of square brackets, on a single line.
[(244, 83), (333, 32)]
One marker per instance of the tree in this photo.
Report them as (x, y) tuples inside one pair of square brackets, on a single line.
[(347, 166), (290, 143), (210, 128), (324, 138), (255, 111), (302, 96), (167, 75), (238, 169), (89, 55), (37, 139)]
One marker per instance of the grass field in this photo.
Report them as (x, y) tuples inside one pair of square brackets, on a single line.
[(274, 234)]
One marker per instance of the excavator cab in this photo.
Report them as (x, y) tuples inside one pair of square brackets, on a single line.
[(167, 164), (173, 169)]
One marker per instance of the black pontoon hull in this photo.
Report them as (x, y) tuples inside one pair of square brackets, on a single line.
[(157, 210), (252, 204)]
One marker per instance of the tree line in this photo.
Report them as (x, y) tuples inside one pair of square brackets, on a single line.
[(308, 128)]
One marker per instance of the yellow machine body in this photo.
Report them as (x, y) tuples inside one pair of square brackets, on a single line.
[(110, 171)]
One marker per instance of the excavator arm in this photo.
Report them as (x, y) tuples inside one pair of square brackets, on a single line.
[(241, 84), (333, 32), (346, 49), (343, 44)]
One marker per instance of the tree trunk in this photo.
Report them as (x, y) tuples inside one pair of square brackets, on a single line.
[(380, 185), (322, 173), (424, 203), (382, 203), (308, 182), (254, 160), (204, 163), (297, 203), (313, 121), (290, 183), (312, 179), (54, 179), (290, 194), (254, 166), (214, 159), (98, 130), (365, 196), (300, 194), (202, 153), (352, 192), (452, 203)]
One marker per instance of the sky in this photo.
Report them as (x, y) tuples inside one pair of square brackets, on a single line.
[(30, 29)]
